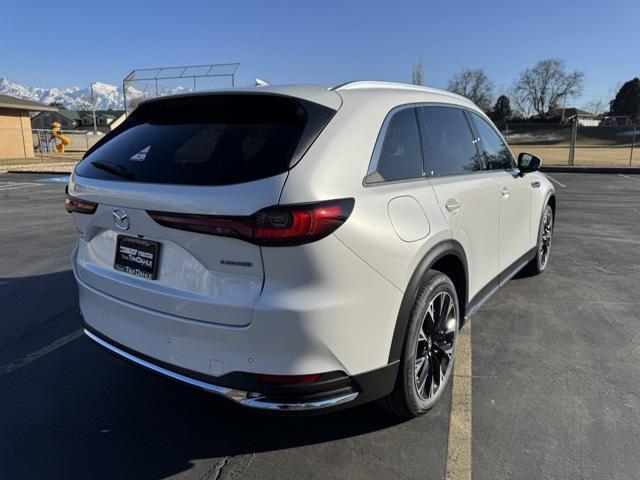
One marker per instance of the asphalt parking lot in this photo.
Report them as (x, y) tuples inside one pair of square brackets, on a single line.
[(555, 372)]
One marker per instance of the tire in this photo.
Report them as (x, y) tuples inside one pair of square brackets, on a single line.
[(543, 247), (432, 333)]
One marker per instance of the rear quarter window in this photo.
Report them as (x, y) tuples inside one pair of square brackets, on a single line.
[(207, 140), (398, 154)]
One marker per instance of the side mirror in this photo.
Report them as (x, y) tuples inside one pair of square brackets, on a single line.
[(528, 163)]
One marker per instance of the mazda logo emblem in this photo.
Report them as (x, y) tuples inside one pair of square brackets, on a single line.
[(121, 219)]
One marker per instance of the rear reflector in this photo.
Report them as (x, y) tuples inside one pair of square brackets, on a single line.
[(287, 379), (75, 205), (273, 226)]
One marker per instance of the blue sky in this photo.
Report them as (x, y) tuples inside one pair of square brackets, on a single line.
[(72, 43)]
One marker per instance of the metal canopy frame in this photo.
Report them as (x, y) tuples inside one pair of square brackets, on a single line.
[(224, 70)]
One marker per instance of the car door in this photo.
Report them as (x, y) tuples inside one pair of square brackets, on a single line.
[(467, 194), (397, 204), (515, 197)]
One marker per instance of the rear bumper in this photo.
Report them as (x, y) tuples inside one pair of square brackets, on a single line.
[(333, 395), (242, 397)]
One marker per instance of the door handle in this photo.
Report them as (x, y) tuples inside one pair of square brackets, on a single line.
[(452, 205), (535, 184), (505, 192)]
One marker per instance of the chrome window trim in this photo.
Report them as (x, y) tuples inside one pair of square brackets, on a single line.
[(474, 172)]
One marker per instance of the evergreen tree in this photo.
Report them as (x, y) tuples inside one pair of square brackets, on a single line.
[(627, 100), (502, 110)]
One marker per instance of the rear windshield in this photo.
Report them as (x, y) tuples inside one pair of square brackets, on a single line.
[(207, 140)]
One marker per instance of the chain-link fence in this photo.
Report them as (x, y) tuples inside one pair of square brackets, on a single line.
[(145, 83), (25, 149), (576, 144), (566, 144), (78, 140)]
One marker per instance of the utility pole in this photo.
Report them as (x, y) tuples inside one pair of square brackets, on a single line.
[(633, 144), (574, 138), (93, 109)]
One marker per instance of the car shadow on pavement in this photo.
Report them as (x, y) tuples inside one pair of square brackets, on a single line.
[(77, 412)]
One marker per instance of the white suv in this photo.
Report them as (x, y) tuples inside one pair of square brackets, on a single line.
[(302, 248)]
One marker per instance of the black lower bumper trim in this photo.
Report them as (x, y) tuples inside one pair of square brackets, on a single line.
[(334, 392)]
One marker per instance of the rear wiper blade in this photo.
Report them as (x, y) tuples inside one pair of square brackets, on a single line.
[(114, 168)]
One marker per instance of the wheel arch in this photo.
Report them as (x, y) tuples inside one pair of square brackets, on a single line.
[(449, 258), (551, 201)]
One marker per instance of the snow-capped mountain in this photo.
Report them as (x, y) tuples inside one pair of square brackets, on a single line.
[(106, 96)]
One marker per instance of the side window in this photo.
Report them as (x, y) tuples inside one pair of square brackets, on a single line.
[(399, 156), (495, 153), (448, 141)]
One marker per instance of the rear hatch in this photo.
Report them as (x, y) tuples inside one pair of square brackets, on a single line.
[(178, 167)]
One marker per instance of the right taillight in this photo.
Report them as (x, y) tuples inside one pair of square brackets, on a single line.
[(273, 226)]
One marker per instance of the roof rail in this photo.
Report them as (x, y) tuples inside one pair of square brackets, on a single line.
[(371, 84)]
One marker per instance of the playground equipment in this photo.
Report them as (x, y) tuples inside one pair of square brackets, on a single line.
[(60, 140)]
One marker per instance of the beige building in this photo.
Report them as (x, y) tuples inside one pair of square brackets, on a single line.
[(16, 139)]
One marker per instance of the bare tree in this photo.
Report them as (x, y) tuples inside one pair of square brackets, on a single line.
[(596, 106), (88, 101), (134, 102), (520, 106), (417, 75), (473, 84), (133, 96), (546, 85)]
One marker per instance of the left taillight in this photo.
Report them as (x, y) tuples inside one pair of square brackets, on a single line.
[(75, 205), (273, 226)]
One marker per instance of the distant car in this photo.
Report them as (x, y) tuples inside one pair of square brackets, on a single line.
[(302, 248)]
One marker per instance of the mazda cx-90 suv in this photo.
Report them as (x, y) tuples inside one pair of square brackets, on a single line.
[(302, 248)]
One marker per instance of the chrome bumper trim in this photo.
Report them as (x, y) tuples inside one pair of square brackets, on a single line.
[(247, 399)]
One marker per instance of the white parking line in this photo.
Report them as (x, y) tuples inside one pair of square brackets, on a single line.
[(15, 186), (630, 178), (459, 447), (555, 181), (33, 356)]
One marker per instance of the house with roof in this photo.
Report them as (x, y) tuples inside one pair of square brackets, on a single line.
[(620, 120), (565, 115), (81, 120), (106, 120), (68, 119), (16, 139)]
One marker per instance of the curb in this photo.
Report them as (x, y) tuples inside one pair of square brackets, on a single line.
[(39, 172), (568, 169)]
